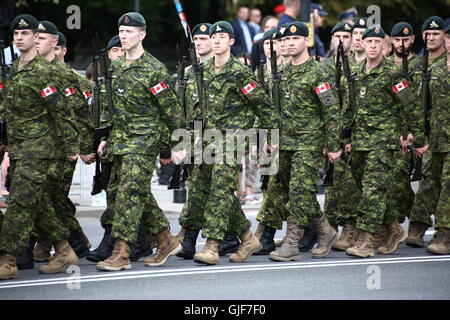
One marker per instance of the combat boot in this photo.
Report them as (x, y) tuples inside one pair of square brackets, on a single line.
[(363, 247), (181, 234), (381, 237), (265, 235), (309, 238), (229, 245), (104, 249), (327, 238), (78, 244), (289, 249), (119, 260), (346, 239), (209, 255), (396, 234), (188, 245), (8, 267), (249, 245), (64, 256), (440, 244), (416, 231), (25, 261), (168, 246), (41, 252), (142, 247)]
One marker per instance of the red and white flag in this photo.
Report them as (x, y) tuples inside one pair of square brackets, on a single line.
[(158, 88), (69, 91), (400, 86), (48, 91), (87, 94), (1, 85), (248, 88), (323, 88)]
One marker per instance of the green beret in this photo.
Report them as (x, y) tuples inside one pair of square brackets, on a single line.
[(221, 27), (202, 28), (24, 21), (360, 23), (114, 42), (296, 29), (281, 31), (342, 26), (269, 34), (447, 30), (62, 41), (47, 27), (433, 23), (132, 19), (374, 32), (402, 29)]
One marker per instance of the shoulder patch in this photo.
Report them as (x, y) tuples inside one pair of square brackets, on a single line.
[(248, 88), (160, 87), (48, 91)]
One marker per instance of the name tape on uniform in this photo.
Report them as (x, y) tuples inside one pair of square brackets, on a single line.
[(160, 87), (249, 88), (48, 91)]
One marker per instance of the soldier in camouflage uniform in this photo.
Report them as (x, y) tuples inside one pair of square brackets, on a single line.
[(420, 218), (358, 29), (144, 101), (33, 136), (233, 100)]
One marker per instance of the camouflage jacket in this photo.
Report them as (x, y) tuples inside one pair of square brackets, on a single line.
[(144, 102), (310, 121), (36, 113)]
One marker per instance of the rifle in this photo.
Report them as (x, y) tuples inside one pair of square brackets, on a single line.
[(3, 79), (426, 75), (405, 60), (260, 70)]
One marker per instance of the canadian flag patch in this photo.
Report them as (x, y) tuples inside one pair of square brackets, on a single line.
[(87, 94), (158, 88), (1, 86), (69, 92), (248, 88), (48, 91), (400, 86), (323, 88)]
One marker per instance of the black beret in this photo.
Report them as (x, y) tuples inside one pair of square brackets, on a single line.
[(360, 23), (342, 26), (132, 19), (402, 29), (47, 27), (62, 41), (281, 30), (221, 27), (447, 29), (202, 28), (114, 42), (296, 29), (375, 31), (24, 21), (433, 23), (269, 34)]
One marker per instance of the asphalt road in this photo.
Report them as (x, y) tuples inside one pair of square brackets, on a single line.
[(407, 274)]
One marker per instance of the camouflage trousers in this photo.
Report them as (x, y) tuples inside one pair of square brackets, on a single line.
[(131, 177), (373, 173), (30, 207), (291, 194), (107, 217), (433, 196), (191, 216)]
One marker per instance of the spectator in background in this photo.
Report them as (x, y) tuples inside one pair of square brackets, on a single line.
[(291, 13), (268, 23), (279, 10), (255, 20), (318, 18), (387, 46), (243, 32), (349, 16)]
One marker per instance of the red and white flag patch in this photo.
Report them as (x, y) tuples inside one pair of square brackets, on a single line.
[(48, 91), (69, 92), (1, 86), (249, 88), (86, 94), (160, 87), (323, 88), (400, 86)]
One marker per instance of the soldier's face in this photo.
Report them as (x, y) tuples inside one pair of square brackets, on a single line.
[(115, 53), (345, 37), (447, 43), (267, 47), (397, 43), (130, 37), (435, 39), (283, 48), (373, 47), (24, 39), (296, 45), (203, 44), (221, 43), (357, 39), (45, 43), (60, 52)]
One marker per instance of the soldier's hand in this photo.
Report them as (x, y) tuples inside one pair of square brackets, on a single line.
[(272, 147), (333, 156), (348, 148), (178, 156), (404, 145), (101, 149), (73, 158), (88, 158), (165, 162), (421, 151)]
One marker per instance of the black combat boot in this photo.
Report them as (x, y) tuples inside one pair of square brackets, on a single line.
[(78, 244), (105, 248), (188, 246), (228, 245), (26, 261), (309, 239), (265, 237), (142, 247)]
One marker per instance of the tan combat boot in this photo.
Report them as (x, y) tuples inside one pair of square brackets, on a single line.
[(346, 239), (289, 249), (249, 245), (416, 231), (326, 236), (278, 243), (64, 256), (168, 246), (8, 267), (209, 254), (41, 252), (396, 234), (381, 237), (180, 235), (440, 244), (119, 259), (363, 248)]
